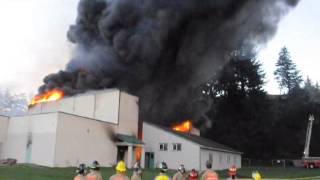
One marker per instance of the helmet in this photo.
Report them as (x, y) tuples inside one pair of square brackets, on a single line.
[(256, 175), (208, 164), (95, 165), (81, 169), (193, 173), (181, 168), (163, 167), (121, 166)]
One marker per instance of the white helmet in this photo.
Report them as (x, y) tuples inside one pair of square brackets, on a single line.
[(181, 168)]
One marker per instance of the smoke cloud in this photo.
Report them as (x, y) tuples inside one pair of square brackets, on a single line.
[(162, 50)]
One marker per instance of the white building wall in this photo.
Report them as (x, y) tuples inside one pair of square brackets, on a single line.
[(220, 160), (82, 140), (128, 114), (189, 154), (4, 121), (31, 139), (100, 105)]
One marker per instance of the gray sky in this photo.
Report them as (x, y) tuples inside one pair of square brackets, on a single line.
[(33, 41)]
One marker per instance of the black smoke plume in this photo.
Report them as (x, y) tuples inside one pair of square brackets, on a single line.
[(162, 50)]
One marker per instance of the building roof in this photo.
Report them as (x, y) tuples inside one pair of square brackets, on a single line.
[(128, 139), (201, 141)]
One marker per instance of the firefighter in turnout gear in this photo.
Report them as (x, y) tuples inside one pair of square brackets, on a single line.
[(81, 172), (181, 174), (233, 172), (163, 169), (256, 175), (193, 175), (209, 174), (137, 172), (94, 172), (121, 172)]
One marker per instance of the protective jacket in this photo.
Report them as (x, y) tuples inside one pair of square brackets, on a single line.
[(209, 175), (233, 172), (179, 176), (79, 177), (119, 177), (94, 175)]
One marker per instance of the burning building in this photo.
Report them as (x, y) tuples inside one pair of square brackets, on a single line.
[(103, 126), (184, 145), (159, 51), (98, 125)]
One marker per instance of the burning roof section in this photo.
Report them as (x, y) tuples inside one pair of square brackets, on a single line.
[(203, 142)]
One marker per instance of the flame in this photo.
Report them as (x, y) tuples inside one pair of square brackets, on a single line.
[(138, 152), (52, 95), (185, 126)]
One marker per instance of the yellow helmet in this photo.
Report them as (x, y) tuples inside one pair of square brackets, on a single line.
[(256, 175), (121, 166)]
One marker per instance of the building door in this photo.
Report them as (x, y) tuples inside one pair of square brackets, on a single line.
[(121, 152), (149, 160)]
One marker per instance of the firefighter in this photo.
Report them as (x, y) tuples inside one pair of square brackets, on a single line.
[(256, 175), (81, 172), (193, 175), (233, 172), (137, 172), (209, 174), (181, 174), (95, 173), (163, 169), (120, 172)]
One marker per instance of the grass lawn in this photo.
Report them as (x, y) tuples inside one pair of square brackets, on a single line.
[(27, 172)]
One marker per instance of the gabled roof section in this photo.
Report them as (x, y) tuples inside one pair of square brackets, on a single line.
[(201, 141)]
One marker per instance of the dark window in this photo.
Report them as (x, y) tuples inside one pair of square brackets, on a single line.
[(163, 146), (176, 147)]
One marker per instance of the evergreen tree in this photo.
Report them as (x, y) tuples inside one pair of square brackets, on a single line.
[(240, 107), (286, 73)]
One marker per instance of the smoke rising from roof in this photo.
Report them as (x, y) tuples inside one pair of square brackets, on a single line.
[(162, 50)]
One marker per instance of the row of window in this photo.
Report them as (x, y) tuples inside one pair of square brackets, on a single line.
[(175, 146)]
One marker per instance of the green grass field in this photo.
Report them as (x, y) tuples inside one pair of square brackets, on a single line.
[(27, 172)]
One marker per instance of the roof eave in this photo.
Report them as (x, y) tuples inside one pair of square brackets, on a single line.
[(219, 149)]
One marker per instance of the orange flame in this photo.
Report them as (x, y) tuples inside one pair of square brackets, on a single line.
[(52, 95), (186, 127), (138, 151)]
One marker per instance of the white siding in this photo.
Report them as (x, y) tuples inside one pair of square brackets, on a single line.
[(82, 140), (189, 154), (3, 133), (107, 106), (100, 105), (36, 132), (128, 114), (220, 160)]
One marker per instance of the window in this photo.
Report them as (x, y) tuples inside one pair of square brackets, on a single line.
[(176, 147), (163, 146), (234, 159), (228, 159)]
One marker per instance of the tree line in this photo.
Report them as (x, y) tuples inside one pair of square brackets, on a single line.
[(263, 126)]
